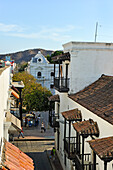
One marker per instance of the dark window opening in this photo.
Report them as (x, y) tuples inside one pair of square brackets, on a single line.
[(39, 74), (52, 73), (51, 86), (39, 60)]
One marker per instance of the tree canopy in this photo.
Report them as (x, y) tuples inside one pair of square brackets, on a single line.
[(35, 97), (49, 57)]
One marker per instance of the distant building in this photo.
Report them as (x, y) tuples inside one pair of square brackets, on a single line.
[(9, 62), (43, 71)]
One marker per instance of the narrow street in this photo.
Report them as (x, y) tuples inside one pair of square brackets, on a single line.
[(37, 151), (35, 144)]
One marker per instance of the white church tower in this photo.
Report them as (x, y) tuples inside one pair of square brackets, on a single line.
[(43, 71)]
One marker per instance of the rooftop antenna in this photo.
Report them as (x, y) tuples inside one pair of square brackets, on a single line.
[(96, 31)]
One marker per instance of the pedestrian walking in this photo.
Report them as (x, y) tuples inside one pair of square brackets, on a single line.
[(21, 133), (42, 127), (36, 121), (53, 151)]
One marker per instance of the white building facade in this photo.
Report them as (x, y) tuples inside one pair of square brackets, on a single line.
[(83, 64), (8, 122), (43, 71)]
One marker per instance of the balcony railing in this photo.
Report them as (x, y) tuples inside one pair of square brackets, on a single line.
[(14, 120), (61, 84), (70, 149), (52, 121), (88, 165), (15, 111)]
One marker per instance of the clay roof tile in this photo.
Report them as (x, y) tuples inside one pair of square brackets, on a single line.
[(97, 97), (72, 115)]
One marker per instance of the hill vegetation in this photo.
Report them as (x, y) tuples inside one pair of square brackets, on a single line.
[(25, 56)]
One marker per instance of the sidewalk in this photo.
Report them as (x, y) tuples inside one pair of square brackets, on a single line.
[(34, 138), (55, 164)]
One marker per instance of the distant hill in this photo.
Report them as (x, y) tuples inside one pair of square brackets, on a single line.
[(26, 55)]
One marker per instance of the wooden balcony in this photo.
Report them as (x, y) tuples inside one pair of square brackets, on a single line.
[(61, 84), (70, 147), (15, 111), (52, 121), (87, 165), (14, 120)]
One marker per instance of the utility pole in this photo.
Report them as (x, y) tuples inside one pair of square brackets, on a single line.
[(96, 31)]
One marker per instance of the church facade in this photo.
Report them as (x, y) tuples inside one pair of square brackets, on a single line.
[(43, 71)]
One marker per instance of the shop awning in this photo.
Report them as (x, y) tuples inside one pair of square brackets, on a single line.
[(14, 94), (13, 158), (72, 115)]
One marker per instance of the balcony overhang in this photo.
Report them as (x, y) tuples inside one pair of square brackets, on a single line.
[(103, 148), (72, 115), (54, 98), (19, 85), (15, 122), (62, 57), (87, 128)]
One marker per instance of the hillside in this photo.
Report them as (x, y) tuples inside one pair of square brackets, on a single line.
[(26, 55)]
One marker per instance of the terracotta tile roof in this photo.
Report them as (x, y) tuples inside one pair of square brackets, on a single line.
[(72, 115), (103, 147), (62, 57), (98, 97), (87, 127), (54, 98), (14, 159)]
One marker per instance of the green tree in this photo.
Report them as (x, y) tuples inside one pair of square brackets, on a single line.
[(34, 95), (56, 53), (49, 58), (22, 66)]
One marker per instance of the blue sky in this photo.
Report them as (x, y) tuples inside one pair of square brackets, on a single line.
[(47, 24)]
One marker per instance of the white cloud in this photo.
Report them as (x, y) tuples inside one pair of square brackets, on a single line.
[(56, 34), (10, 28)]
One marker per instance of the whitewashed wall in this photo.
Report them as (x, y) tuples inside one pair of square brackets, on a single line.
[(105, 128), (4, 87), (45, 69), (88, 62)]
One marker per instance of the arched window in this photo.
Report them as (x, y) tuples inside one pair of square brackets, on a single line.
[(39, 74)]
